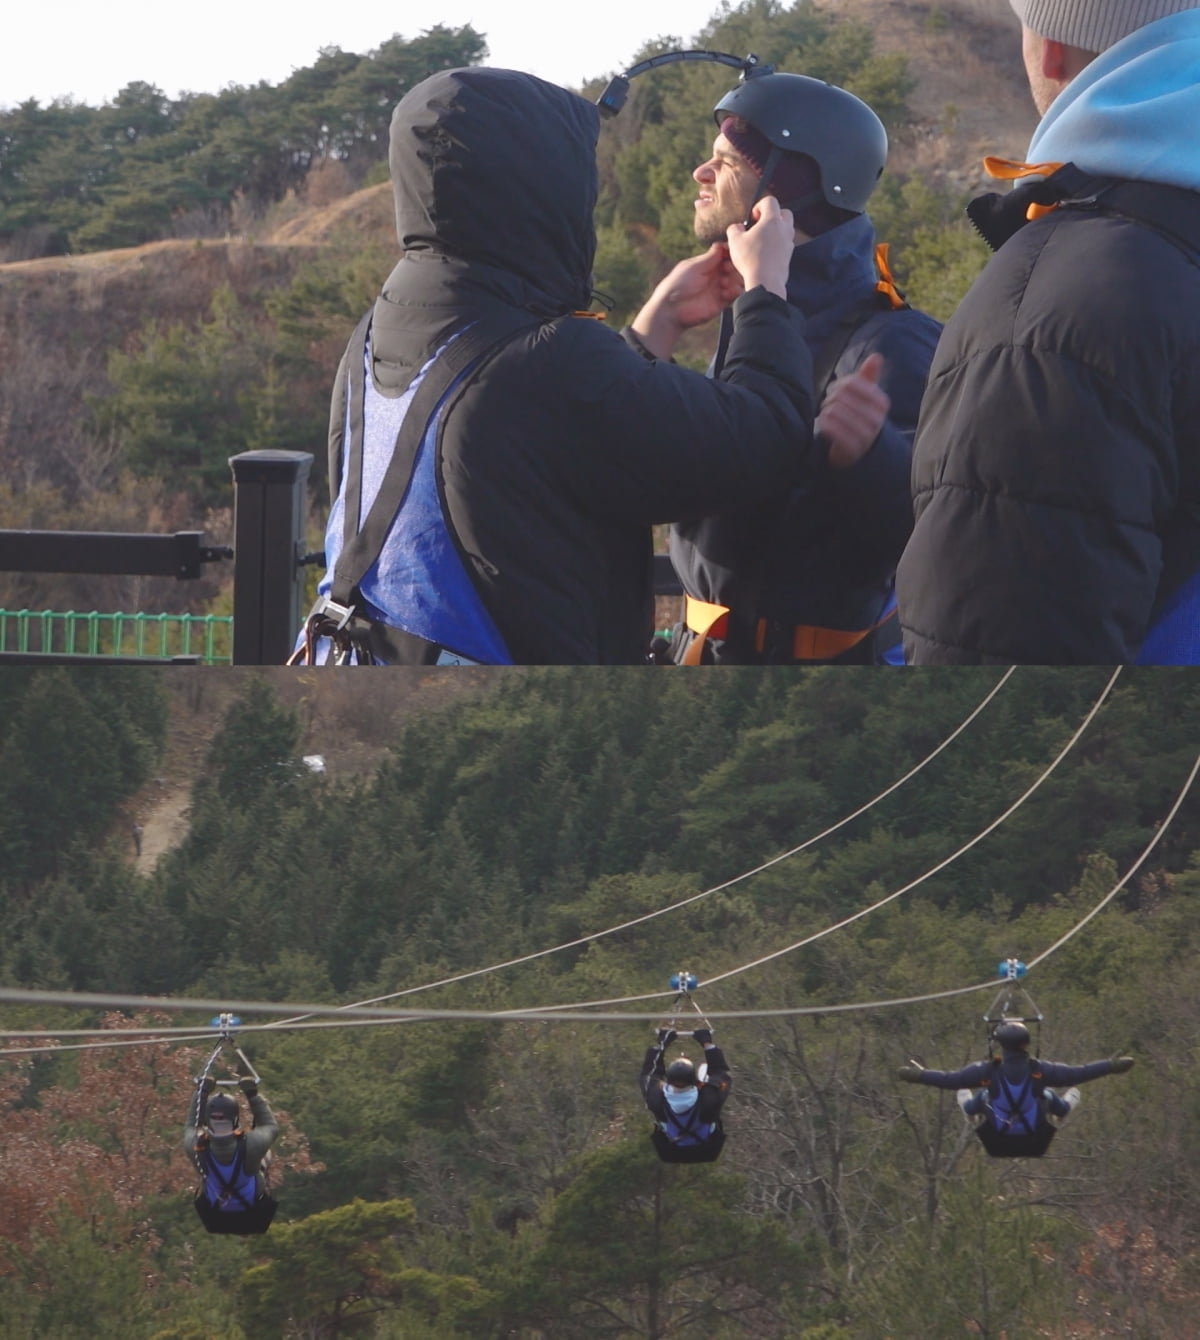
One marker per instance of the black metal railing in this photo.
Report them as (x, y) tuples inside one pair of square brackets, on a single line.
[(270, 510)]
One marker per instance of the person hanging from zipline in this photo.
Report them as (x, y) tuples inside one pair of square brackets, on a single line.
[(232, 1160), (686, 1100), (1013, 1100)]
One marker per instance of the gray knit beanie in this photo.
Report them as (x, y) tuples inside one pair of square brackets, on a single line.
[(1094, 25)]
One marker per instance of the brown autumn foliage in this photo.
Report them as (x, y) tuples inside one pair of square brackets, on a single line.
[(116, 1132)]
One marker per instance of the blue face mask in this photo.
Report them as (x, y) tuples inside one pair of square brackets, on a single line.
[(681, 1100)]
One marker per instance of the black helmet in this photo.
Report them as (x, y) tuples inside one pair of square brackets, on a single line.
[(1011, 1033), (681, 1073), (222, 1108), (808, 116)]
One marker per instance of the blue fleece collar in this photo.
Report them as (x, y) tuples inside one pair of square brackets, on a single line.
[(1133, 111)]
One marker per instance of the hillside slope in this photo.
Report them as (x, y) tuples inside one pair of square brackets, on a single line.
[(971, 96), (61, 317)]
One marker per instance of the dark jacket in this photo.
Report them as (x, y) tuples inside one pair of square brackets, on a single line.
[(713, 1091), (1056, 472), (825, 554), (558, 457), (1015, 1068)]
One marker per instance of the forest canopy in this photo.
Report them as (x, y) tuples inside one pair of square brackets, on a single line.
[(145, 166), (491, 1177)]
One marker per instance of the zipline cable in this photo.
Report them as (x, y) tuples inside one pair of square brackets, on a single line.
[(340, 1019), (338, 1016), (695, 897), (891, 897)]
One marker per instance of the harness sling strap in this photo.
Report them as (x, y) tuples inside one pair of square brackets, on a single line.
[(352, 463), (838, 340), (698, 1149), (1172, 211), (364, 536), (1031, 1141), (669, 1151), (1016, 1104), (241, 1223), (1002, 1145), (252, 1216)]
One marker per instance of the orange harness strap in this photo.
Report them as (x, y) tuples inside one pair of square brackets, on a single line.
[(887, 281), (809, 643)]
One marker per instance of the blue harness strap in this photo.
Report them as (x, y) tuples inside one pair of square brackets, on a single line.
[(1016, 1128), (680, 1138), (228, 1186), (399, 561), (682, 1128), (1021, 1107)]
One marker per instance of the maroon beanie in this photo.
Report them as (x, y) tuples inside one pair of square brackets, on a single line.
[(795, 176)]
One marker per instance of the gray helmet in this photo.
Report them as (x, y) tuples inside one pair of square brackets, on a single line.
[(223, 1108), (1011, 1033), (681, 1073), (808, 116)]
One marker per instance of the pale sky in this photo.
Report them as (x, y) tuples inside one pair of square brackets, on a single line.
[(89, 51)]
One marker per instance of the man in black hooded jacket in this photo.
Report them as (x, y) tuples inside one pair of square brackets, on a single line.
[(686, 1107), (514, 527)]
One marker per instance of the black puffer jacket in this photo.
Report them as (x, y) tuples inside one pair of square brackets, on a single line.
[(568, 446), (1056, 471)]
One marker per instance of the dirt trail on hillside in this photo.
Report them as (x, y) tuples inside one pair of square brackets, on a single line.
[(163, 826)]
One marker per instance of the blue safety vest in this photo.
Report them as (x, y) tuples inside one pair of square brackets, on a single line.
[(418, 583), (228, 1186)]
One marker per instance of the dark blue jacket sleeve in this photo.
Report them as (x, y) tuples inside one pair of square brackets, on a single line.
[(716, 1085), (969, 1077), (1056, 1073)]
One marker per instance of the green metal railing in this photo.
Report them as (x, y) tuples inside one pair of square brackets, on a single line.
[(207, 636)]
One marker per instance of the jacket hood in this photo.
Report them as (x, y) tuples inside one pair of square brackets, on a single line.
[(498, 167), (1132, 111)]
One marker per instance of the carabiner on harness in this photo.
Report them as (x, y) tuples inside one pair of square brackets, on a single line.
[(346, 630)]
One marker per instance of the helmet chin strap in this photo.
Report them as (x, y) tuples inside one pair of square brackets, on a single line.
[(764, 182), (764, 185)]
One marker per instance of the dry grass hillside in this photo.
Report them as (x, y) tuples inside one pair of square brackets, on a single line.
[(351, 721), (61, 317), (96, 299), (971, 96)]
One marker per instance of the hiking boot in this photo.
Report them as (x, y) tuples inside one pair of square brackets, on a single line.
[(1070, 1098)]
